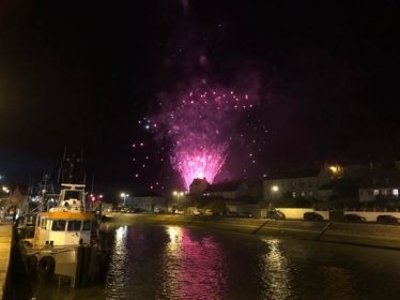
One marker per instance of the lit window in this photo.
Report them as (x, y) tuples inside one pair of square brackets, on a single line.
[(395, 192), (376, 192)]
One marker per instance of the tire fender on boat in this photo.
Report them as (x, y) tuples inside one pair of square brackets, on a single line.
[(46, 266)]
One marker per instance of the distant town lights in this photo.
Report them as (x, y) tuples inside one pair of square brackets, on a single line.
[(124, 196), (334, 169), (178, 193)]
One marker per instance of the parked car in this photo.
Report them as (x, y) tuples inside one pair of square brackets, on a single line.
[(212, 212), (178, 212), (354, 218), (275, 215), (245, 214), (387, 219), (312, 216), (232, 214)]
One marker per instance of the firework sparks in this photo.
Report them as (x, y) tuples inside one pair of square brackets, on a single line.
[(200, 124)]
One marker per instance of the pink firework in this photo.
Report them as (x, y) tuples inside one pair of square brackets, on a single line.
[(200, 124), (199, 162)]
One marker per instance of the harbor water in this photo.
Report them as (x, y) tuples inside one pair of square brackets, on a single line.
[(176, 262)]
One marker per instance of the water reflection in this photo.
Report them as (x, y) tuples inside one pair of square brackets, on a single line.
[(155, 262), (116, 280), (192, 269), (338, 284), (275, 272)]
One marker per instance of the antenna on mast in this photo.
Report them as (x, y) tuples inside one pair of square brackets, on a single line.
[(91, 190)]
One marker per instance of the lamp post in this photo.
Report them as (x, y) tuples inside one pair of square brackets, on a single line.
[(274, 191), (5, 189), (178, 195), (124, 196)]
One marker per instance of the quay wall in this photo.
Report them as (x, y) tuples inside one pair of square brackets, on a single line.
[(6, 240), (376, 235)]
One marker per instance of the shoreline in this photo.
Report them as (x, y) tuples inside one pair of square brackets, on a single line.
[(367, 235)]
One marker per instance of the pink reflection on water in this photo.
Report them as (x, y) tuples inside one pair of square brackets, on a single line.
[(194, 269)]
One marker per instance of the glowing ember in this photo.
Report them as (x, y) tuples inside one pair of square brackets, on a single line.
[(199, 124)]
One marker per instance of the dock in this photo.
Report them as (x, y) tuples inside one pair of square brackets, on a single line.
[(6, 231)]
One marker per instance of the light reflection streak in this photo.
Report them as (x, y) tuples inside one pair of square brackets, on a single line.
[(276, 275), (116, 281), (192, 269)]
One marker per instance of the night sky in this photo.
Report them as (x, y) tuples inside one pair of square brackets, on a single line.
[(88, 75)]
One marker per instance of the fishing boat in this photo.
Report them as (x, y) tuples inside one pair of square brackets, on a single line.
[(63, 244)]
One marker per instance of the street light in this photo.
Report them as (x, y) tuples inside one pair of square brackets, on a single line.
[(273, 195), (124, 196), (178, 195)]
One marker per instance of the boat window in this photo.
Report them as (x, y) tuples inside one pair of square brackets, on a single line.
[(74, 225), (71, 195), (58, 225), (43, 223), (87, 225)]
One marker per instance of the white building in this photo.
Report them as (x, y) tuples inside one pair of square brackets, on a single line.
[(298, 183)]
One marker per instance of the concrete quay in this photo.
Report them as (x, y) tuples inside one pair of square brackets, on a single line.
[(6, 240), (368, 234)]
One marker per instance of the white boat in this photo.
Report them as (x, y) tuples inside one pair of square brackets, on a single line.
[(66, 224), (62, 241)]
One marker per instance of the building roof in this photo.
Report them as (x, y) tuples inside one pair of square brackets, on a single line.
[(293, 174), (230, 186), (197, 181)]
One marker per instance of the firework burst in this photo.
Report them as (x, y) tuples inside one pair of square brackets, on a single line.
[(199, 123)]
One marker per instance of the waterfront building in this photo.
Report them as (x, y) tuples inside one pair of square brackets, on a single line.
[(148, 201), (382, 185), (226, 190), (297, 183)]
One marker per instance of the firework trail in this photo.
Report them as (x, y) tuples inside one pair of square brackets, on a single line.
[(199, 123)]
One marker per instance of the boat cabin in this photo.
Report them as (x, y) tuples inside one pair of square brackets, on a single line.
[(68, 223)]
